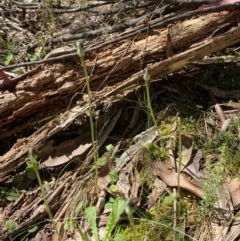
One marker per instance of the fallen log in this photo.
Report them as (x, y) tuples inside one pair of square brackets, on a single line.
[(113, 67)]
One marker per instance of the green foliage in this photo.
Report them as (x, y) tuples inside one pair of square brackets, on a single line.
[(92, 217), (180, 234), (2, 192), (32, 160), (31, 174), (199, 107), (224, 146), (8, 60), (146, 77), (10, 194), (191, 119), (70, 225), (11, 225), (101, 161), (109, 204), (168, 200), (113, 188), (33, 164), (110, 148), (33, 229), (156, 224), (83, 235), (118, 207), (8, 43), (113, 176), (32, 57), (119, 237), (212, 183), (179, 163), (17, 178), (153, 149)]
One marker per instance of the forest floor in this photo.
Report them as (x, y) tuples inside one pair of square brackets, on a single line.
[(150, 153)]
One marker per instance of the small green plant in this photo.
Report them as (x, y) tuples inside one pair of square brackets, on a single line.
[(110, 148), (224, 146), (10, 194), (118, 208), (8, 60), (41, 51), (51, 13), (91, 214), (212, 183), (25, 233), (33, 164), (9, 43), (191, 120), (11, 225), (154, 150)]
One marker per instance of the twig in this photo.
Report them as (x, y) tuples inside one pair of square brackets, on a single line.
[(129, 35)]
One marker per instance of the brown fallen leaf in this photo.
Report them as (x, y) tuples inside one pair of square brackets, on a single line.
[(4, 76), (103, 177), (166, 173), (59, 159), (187, 148), (192, 168), (106, 168)]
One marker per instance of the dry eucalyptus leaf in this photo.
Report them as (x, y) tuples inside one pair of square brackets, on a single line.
[(187, 148), (193, 168), (102, 184), (164, 171), (59, 160), (108, 166), (56, 161)]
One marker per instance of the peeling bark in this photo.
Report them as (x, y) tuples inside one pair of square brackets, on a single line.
[(51, 88)]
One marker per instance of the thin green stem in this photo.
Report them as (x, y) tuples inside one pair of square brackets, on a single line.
[(146, 78), (80, 52), (34, 163), (51, 14), (179, 161)]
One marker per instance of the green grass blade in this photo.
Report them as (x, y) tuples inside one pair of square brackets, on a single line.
[(83, 235)]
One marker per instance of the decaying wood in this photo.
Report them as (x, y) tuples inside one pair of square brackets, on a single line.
[(57, 83)]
